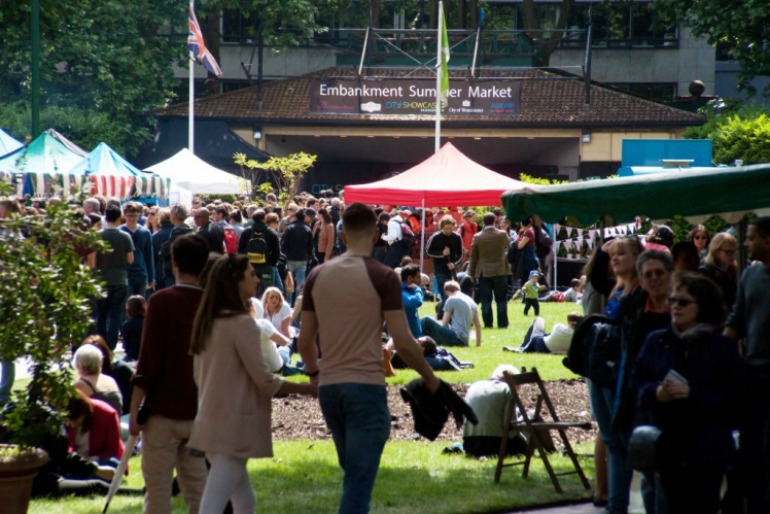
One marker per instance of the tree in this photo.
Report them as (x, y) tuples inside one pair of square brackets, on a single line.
[(285, 172), (741, 27), (738, 132), (45, 305), (106, 64)]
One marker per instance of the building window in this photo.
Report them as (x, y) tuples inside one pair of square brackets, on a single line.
[(660, 92)]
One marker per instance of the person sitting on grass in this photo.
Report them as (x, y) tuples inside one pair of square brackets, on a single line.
[(92, 382), (412, 297), (94, 430), (455, 325), (558, 341), (488, 399), (440, 359)]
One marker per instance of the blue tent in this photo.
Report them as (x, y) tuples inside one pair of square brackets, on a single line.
[(111, 175), (8, 144)]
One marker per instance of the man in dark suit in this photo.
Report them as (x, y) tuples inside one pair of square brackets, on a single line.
[(489, 265)]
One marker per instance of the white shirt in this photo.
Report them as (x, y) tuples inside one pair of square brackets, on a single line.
[(559, 339), (268, 347), (394, 230)]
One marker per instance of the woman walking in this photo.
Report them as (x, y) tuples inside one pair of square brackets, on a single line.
[(235, 386)]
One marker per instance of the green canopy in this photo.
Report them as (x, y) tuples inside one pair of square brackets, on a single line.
[(657, 196)]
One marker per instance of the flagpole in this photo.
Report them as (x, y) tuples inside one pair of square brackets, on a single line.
[(191, 95), (191, 109), (439, 62)]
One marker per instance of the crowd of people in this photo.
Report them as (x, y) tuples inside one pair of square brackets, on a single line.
[(211, 302)]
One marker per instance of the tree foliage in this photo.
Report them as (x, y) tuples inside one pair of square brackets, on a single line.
[(45, 305), (285, 172), (738, 132), (105, 64), (743, 28)]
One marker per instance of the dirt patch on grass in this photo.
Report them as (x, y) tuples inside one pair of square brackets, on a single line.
[(299, 417)]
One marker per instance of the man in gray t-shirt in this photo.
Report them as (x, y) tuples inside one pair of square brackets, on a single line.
[(460, 311), (112, 265), (750, 321)]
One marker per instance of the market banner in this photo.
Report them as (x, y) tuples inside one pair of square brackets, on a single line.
[(404, 96)]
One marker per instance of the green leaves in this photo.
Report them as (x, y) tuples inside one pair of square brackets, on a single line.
[(45, 295), (743, 26)]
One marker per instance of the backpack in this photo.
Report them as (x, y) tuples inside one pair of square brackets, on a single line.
[(257, 249), (407, 235), (595, 351), (164, 253), (231, 240)]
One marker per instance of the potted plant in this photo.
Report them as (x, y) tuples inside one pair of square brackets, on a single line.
[(45, 307)]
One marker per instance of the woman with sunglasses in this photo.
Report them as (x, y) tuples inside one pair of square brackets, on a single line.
[(700, 237), (688, 378), (720, 266)]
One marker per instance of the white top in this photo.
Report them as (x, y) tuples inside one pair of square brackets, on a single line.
[(559, 339), (268, 347), (277, 318)]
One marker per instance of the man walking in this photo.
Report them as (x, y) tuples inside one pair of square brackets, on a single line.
[(141, 272), (489, 264), (260, 243), (112, 265), (446, 249), (177, 214), (297, 246), (345, 302), (165, 398), (750, 321)]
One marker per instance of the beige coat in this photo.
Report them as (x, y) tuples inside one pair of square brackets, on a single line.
[(489, 253), (235, 391)]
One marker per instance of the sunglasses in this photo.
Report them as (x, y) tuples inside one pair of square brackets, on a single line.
[(680, 302), (728, 252), (656, 273)]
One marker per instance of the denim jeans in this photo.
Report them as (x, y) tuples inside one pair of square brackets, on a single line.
[(499, 287), (266, 276), (359, 420), (444, 336), (137, 284), (441, 279), (109, 311), (619, 473), (297, 269)]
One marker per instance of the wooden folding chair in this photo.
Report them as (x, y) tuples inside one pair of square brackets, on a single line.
[(537, 430)]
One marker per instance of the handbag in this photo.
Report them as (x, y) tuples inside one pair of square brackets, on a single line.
[(643, 448), (288, 283)]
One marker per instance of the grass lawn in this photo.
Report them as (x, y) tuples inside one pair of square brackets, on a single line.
[(415, 477)]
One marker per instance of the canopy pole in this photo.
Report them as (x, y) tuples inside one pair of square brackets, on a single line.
[(422, 237)]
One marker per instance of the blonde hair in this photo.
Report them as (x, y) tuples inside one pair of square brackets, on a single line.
[(268, 292), (717, 242)]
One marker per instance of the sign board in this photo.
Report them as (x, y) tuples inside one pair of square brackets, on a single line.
[(403, 96)]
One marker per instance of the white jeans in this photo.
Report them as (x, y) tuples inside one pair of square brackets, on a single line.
[(228, 480)]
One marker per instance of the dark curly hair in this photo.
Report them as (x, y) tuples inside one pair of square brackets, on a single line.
[(711, 306)]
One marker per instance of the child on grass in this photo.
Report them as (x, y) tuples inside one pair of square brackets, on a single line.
[(531, 291), (136, 306)]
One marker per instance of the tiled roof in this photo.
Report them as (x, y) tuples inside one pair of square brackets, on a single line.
[(548, 99)]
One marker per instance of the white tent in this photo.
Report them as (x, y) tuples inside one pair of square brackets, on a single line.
[(192, 174)]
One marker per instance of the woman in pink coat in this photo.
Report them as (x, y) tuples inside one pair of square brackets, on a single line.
[(235, 386)]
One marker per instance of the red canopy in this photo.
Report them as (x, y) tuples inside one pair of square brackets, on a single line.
[(447, 178)]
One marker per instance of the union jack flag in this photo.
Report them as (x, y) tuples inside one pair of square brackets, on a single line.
[(198, 48)]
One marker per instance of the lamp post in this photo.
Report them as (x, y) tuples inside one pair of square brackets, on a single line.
[(35, 65)]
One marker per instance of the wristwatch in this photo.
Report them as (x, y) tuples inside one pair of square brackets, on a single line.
[(313, 374)]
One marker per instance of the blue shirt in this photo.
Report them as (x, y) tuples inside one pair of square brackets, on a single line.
[(412, 300)]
